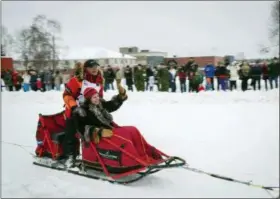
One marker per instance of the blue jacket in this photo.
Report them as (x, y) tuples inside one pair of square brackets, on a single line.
[(209, 70)]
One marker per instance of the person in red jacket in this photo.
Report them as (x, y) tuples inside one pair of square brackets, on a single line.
[(86, 75), (39, 84), (182, 78)]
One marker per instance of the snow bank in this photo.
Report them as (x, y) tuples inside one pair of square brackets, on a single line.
[(230, 133)]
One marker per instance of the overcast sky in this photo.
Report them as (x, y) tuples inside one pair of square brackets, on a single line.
[(179, 28)]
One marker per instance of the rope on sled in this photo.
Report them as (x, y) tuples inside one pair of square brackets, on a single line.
[(249, 183)]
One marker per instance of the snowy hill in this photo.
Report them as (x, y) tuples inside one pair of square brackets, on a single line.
[(229, 133)]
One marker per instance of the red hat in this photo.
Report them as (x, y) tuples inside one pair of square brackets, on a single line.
[(89, 92)]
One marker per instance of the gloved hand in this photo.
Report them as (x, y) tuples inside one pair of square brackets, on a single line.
[(101, 133), (76, 110), (122, 92)]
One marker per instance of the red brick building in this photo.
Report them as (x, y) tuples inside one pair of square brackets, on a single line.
[(201, 61)]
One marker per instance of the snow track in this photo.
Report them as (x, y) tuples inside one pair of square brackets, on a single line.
[(243, 145)]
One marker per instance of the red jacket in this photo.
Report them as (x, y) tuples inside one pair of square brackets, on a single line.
[(73, 89), (182, 75), (39, 84)]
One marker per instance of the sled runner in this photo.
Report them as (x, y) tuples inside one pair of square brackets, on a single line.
[(123, 158)]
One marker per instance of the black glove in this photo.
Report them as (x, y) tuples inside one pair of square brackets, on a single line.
[(76, 110)]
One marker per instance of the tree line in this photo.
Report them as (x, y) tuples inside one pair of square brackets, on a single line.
[(36, 44)]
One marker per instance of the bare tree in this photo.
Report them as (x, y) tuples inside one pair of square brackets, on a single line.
[(37, 42), (273, 29), (7, 41), (275, 20), (23, 48)]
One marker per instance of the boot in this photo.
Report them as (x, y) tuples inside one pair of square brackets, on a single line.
[(70, 161)]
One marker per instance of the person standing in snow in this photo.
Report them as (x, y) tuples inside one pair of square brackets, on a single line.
[(273, 72), (57, 81), (209, 72), (172, 78), (118, 75), (244, 75), (223, 76), (196, 81), (265, 75), (26, 81), (182, 78), (233, 75), (17, 80), (128, 78), (39, 84), (109, 76), (8, 79), (139, 77), (47, 80), (255, 73), (163, 77)]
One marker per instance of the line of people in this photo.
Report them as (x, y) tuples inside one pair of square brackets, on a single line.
[(224, 76), (32, 80)]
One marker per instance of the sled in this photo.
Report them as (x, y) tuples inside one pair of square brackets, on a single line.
[(114, 159)]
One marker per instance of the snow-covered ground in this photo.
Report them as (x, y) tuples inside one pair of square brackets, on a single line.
[(229, 133)]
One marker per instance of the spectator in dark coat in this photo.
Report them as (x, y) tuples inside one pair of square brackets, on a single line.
[(109, 76), (182, 78), (33, 80), (265, 75), (255, 74), (273, 72), (128, 78)]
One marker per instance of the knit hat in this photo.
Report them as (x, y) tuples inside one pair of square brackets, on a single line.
[(89, 92)]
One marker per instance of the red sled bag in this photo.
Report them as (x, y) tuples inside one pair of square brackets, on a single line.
[(124, 154)]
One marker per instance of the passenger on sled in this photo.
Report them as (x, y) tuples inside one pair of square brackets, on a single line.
[(94, 121)]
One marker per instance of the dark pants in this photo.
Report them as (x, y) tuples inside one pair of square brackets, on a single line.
[(108, 85), (273, 79), (195, 87), (218, 83), (173, 86), (266, 84), (33, 86), (244, 83), (11, 88), (223, 82), (18, 87), (212, 82), (70, 142), (255, 81), (232, 84), (183, 85)]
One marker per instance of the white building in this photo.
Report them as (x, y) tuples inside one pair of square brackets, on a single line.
[(104, 57)]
